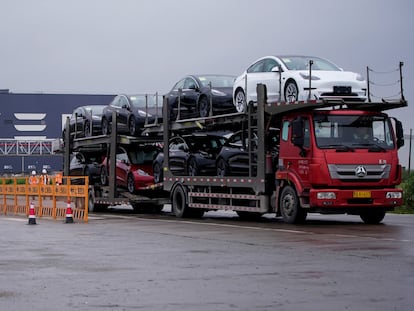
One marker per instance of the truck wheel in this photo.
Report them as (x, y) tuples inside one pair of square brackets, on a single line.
[(179, 202), (91, 202), (204, 107), (372, 217), (290, 208)]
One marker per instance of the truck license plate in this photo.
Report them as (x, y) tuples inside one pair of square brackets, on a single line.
[(361, 194)]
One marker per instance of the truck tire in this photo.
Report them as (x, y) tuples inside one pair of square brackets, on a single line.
[(91, 202), (179, 202), (290, 208), (372, 217)]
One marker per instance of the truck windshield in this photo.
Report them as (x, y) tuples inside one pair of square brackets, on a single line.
[(348, 132)]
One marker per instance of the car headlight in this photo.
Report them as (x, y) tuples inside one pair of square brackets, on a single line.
[(326, 195), (142, 113), (306, 77), (142, 173), (393, 195), (217, 92), (359, 77)]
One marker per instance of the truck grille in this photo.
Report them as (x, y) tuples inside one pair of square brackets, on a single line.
[(358, 172)]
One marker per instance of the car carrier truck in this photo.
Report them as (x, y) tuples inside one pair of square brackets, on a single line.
[(317, 162)]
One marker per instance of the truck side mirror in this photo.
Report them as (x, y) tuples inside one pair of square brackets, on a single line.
[(399, 133), (298, 137)]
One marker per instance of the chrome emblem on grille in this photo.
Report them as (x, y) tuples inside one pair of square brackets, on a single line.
[(360, 171)]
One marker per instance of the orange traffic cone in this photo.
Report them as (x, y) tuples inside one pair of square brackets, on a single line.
[(32, 214), (69, 214)]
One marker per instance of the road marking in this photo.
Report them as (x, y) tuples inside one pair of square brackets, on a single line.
[(276, 229)]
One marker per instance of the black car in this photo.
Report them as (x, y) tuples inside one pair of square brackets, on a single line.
[(133, 112), (85, 121), (86, 165), (191, 96), (233, 158), (192, 155)]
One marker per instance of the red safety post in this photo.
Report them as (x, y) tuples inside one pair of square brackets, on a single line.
[(69, 214), (32, 215)]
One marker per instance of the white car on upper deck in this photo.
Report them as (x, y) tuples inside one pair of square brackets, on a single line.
[(287, 79)]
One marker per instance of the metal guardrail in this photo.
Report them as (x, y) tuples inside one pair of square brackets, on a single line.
[(51, 200)]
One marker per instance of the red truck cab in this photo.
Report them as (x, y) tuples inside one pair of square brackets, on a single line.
[(339, 161)]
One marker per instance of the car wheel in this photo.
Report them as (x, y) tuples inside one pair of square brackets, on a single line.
[(86, 172), (193, 167), (291, 91), (104, 176), (132, 126), (222, 168), (240, 101), (87, 129), (105, 127), (204, 107), (158, 173), (131, 183), (173, 113)]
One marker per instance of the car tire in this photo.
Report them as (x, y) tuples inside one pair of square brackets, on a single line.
[(240, 101), (87, 129), (105, 127), (130, 183), (132, 126), (291, 91), (192, 167), (87, 172), (222, 168), (104, 176), (204, 107), (158, 173)]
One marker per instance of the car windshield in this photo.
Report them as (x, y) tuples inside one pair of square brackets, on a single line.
[(142, 100), (197, 143), (302, 63), (216, 81), (95, 109), (353, 132)]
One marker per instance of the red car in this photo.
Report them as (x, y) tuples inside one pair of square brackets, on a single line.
[(133, 169)]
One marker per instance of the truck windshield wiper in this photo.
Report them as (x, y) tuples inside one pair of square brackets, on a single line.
[(372, 147), (339, 147)]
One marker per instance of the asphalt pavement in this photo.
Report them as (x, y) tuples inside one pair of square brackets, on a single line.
[(126, 261)]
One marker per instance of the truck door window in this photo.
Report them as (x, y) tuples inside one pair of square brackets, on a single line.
[(285, 130)]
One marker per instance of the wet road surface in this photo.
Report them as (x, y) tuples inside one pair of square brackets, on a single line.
[(126, 261)]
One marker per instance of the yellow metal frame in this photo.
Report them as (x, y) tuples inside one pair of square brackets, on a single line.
[(50, 200)]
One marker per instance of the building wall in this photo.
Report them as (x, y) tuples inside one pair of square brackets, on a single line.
[(38, 116)]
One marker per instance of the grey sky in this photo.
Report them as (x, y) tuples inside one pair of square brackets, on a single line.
[(134, 46)]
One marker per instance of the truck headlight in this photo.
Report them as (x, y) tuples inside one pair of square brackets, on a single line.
[(393, 195), (326, 195)]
